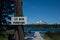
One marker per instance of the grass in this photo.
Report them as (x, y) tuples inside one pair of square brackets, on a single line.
[(52, 36)]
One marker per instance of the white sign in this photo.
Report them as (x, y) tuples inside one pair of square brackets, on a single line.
[(18, 20)]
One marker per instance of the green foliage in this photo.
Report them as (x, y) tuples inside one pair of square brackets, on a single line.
[(52, 36), (4, 34)]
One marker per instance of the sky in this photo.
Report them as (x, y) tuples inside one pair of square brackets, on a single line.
[(46, 10)]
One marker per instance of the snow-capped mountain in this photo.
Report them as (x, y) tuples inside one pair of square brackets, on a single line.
[(41, 22)]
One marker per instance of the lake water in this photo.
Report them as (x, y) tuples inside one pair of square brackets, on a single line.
[(41, 30)]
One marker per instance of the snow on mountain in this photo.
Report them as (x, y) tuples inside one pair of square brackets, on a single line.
[(41, 22)]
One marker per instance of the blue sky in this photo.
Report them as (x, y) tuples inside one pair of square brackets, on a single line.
[(46, 10)]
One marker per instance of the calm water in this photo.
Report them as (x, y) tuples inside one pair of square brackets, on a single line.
[(42, 30)]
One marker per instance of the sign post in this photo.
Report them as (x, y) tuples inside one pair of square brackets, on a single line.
[(18, 13), (19, 21)]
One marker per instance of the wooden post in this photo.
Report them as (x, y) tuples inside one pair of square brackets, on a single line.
[(18, 8), (18, 13), (20, 32), (16, 35)]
